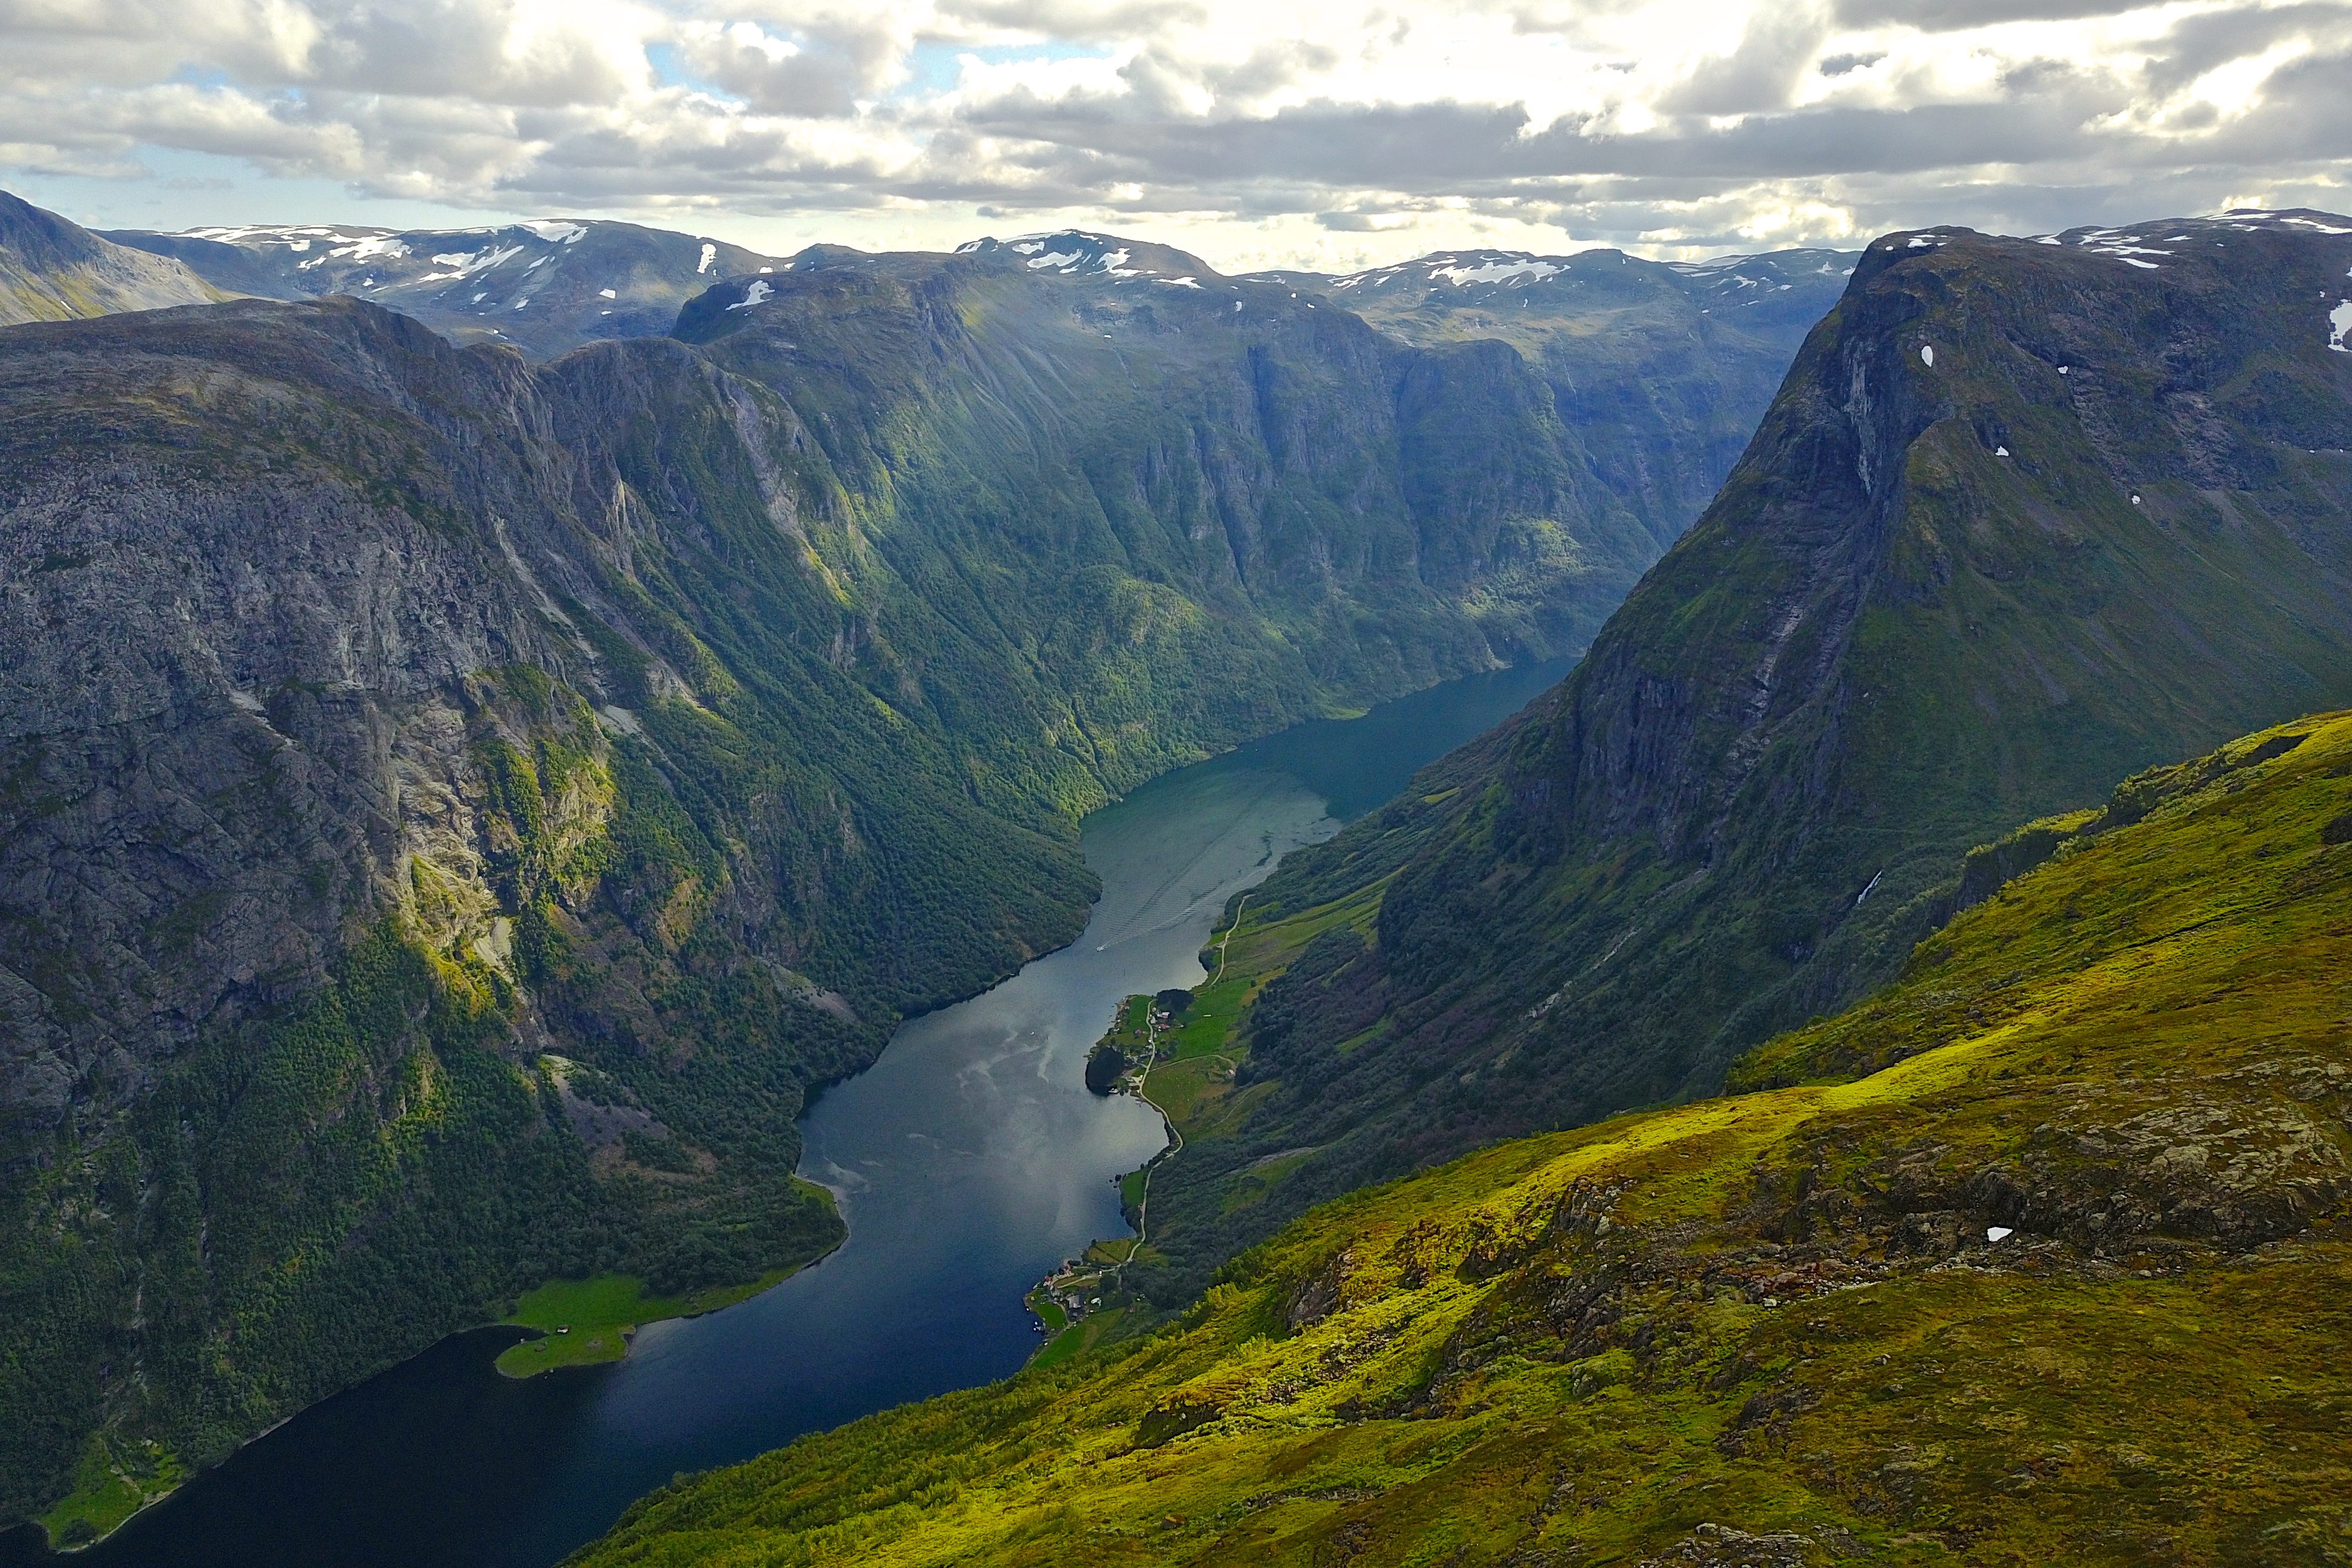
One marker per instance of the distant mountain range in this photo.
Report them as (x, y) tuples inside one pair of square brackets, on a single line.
[(546, 286)]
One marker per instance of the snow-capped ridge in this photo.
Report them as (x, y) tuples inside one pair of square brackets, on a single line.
[(551, 283), (1080, 253), (1761, 285)]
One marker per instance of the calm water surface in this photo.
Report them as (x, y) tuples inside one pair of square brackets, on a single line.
[(969, 1161)]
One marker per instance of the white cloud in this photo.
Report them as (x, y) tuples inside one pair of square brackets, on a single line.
[(1324, 132)]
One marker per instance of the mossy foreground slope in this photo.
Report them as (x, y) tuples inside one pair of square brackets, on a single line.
[(1782, 1327)]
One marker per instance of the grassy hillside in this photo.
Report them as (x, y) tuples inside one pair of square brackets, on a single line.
[(2062, 1279)]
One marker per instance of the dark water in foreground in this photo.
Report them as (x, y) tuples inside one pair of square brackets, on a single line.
[(969, 1161)]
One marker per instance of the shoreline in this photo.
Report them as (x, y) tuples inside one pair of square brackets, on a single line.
[(695, 1305)]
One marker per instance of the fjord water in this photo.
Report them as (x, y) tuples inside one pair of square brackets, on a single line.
[(969, 1161)]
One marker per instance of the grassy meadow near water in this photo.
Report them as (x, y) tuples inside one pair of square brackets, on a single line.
[(584, 1322), (2063, 1278)]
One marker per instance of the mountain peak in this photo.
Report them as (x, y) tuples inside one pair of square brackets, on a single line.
[(1073, 252)]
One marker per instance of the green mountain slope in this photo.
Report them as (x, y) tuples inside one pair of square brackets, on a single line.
[(391, 923), (52, 270), (2026, 517), (1383, 513), (2062, 1281)]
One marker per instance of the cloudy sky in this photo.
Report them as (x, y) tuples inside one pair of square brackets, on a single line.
[(1321, 132)]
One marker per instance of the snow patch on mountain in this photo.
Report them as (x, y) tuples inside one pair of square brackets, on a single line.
[(465, 263), (1526, 267)]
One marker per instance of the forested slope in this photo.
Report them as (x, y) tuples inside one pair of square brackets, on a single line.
[(2061, 1281), (1384, 513)]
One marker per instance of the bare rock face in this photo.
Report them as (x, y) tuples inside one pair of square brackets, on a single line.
[(220, 688), (310, 830)]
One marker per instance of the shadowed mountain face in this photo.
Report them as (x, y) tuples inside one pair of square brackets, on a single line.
[(1662, 369), (1397, 510), (2027, 516), (52, 270), (546, 286)]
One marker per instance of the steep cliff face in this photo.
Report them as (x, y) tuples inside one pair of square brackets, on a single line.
[(1660, 371), (420, 877), (1375, 514), (2025, 517), (53, 270)]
